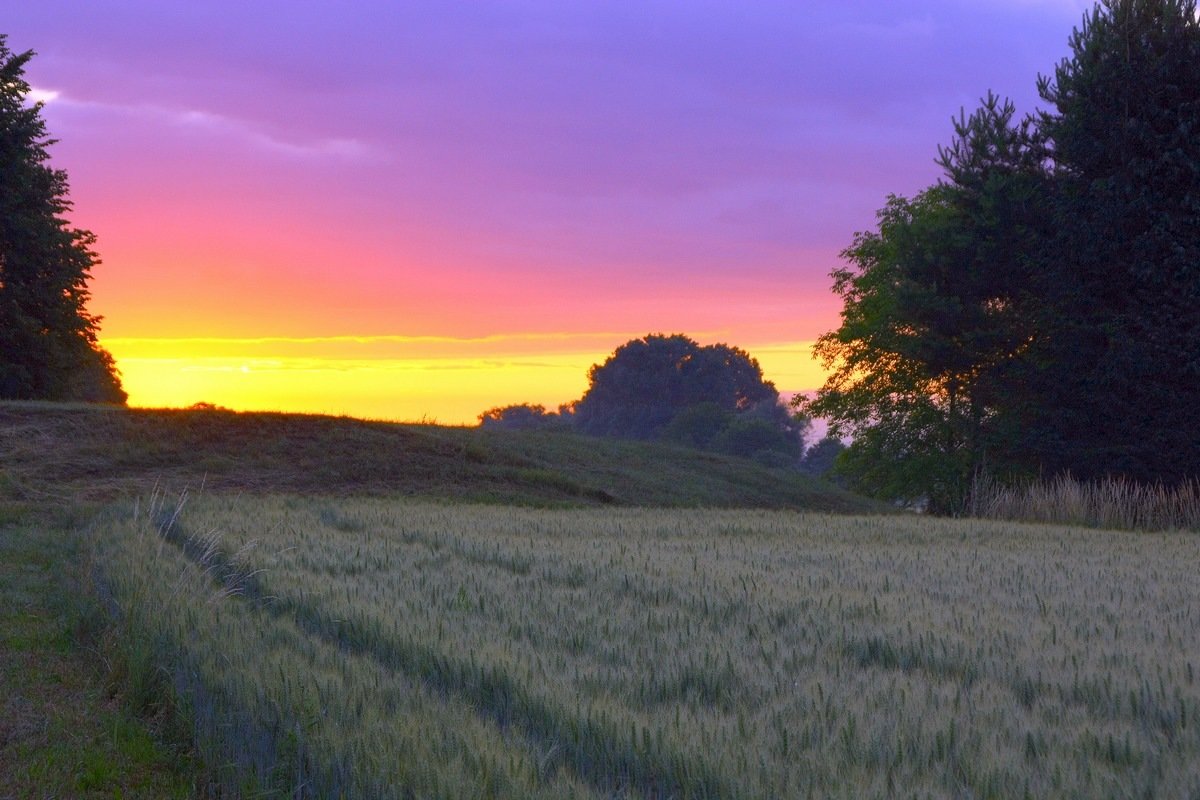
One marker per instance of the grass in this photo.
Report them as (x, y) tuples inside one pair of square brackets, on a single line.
[(387, 648), (63, 731), (64, 453), (85, 711), (1113, 503), (334, 611)]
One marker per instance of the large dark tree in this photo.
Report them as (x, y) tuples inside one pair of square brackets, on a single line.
[(48, 347), (1038, 311), (1123, 273), (935, 317), (647, 384)]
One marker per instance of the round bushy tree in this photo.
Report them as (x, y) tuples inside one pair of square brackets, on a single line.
[(647, 382)]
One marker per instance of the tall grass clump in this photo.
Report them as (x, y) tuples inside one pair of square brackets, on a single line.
[(1112, 503)]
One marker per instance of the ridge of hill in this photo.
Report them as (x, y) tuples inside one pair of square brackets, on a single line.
[(52, 451)]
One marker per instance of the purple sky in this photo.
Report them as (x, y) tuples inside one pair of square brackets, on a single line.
[(486, 169)]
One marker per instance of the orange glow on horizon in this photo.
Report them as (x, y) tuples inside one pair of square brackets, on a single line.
[(447, 380)]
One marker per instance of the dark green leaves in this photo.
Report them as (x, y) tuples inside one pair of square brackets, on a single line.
[(1037, 312), (48, 347)]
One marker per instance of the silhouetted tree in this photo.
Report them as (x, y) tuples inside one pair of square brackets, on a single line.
[(711, 397), (1119, 392), (48, 347), (754, 436), (1037, 311), (644, 384), (698, 425), (522, 417), (935, 315)]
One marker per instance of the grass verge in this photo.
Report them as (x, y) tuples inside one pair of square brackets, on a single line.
[(64, 732)]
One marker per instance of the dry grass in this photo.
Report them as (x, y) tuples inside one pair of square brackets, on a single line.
[(395, 649), (1114, 503)]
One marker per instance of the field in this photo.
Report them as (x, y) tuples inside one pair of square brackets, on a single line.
[(406, 648)]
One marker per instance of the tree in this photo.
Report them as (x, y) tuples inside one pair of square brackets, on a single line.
[(698, 425), (646, 382), (755, 436), (522, 417), (48, 345), (1038, 311), (936, 315), (820, 459), (711, 397), (1123, 271)]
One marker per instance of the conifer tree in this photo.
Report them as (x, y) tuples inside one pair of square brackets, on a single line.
[(1123, 271), (48, 346)]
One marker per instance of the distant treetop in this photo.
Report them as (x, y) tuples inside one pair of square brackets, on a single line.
[(642, 386), (671, 388)]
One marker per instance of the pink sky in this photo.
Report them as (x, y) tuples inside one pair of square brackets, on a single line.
[(512, 179)]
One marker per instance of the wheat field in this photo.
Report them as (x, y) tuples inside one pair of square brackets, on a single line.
[(382, 648)]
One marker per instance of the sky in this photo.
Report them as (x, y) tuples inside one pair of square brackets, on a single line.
[(421, 210)]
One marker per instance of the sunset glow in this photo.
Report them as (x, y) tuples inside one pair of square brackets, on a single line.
[(448, 381), (426, 210)]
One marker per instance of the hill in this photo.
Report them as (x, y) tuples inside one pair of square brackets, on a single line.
[(60, 451)]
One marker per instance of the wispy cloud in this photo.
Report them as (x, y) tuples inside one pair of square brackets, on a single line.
[(394, 352), (385, 338), (46, 96), (240, 129), (370, 350), (221, 125)]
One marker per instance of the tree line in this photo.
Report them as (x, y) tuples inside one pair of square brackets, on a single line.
[(1037, 310)]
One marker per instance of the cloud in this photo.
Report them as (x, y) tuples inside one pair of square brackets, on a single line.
[(45, 96), (373, 349), (391, 352), (350, 149), (381, 339), (220, 125)]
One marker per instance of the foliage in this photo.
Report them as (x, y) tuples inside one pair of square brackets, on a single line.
[(523, 417), (646, 382), (820, 459), (697, 425), (765, 429), (933, 318), (1123, 270), (48, 346), (712, 397), (1038, 310)]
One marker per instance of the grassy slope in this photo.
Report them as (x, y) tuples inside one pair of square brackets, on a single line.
[(60, 452)]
